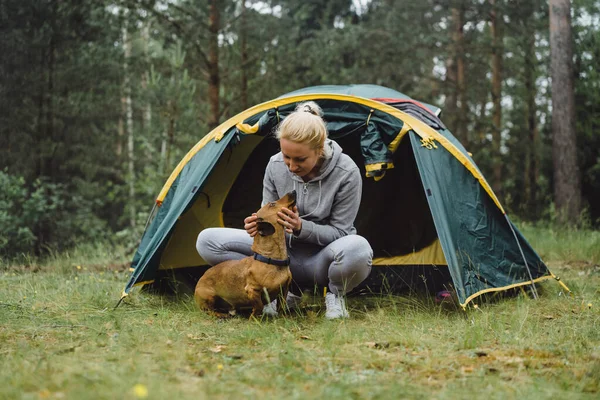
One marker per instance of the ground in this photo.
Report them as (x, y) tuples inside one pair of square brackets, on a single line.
[(61, 338)]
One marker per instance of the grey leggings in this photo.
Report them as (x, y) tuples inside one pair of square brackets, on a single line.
[(341, 265)]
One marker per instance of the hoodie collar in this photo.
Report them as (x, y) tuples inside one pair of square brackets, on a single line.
[(328, 164)]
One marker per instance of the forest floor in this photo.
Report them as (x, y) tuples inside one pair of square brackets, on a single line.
[(60, 337)]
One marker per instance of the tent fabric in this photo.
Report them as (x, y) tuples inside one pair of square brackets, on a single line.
[(429, 204), (477, 241), (180, 195)]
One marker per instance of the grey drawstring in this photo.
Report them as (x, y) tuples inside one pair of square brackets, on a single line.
[(318, 203), (312, 212)]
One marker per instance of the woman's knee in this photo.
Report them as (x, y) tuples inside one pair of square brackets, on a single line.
[(204, 241), (353, 248), (353, 258), (216, 245)]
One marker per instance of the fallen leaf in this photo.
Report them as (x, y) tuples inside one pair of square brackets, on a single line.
[(192, 337), (510, 360), (217, 349), (377, 345)]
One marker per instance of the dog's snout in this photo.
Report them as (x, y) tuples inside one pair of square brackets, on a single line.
[(292, 198)]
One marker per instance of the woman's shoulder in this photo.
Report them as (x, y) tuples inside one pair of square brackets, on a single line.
[(346, 163), (275, 158), (276, 162)]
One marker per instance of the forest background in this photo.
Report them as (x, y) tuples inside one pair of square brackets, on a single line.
[(101, 99)]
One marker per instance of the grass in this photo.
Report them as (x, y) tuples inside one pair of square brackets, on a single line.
[(61, 338)]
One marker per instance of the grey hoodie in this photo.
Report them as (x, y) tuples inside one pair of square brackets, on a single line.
[(327, 204)]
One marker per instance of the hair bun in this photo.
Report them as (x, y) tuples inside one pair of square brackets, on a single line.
[(310, 107), (307, 108)]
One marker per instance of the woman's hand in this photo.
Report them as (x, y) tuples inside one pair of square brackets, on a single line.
[(290, 219), (250, 225)]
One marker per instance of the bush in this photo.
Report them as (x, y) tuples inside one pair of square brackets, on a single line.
[(43, 215)]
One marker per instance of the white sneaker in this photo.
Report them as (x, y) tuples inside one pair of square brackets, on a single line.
[(336, 306), (270, 309), (292, 301)]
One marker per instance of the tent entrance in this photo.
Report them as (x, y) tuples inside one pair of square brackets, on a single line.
[(394, 215)]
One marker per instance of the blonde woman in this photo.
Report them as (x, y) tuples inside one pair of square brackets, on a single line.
[(323, 246)]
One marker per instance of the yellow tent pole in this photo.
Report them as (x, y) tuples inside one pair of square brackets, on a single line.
[(419, 127)]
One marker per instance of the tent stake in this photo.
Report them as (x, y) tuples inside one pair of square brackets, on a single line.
[(533, 289), (120, 300)]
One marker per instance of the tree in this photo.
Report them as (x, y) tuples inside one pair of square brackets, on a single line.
[(244, 55), (55, 117), (497, 54), (213, 64), (586, 32), (567, 181)]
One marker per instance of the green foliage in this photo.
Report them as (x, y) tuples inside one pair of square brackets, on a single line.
[(63, 73), (16, 234), (43, 210)]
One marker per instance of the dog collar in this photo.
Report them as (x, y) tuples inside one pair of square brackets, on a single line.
[(272, 261)]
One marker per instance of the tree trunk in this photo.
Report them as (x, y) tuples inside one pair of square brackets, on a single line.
[(567, 181), (120, 129), (147, 111), (531, 159), (50, 139), (47, 141), (41, 129), (244, 53), (163, 152), (451, 103), (129, 126), (168, 143), (461, 98), (213, 65), (497, 50)]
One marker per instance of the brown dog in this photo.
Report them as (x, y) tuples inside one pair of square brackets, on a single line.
[(243, 283)]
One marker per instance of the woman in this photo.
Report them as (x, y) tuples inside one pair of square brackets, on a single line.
[(323, 246)]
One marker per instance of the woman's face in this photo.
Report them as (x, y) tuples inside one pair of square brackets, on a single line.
[(299, 157)]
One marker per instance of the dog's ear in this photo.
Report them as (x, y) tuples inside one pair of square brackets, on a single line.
[(265, 229)]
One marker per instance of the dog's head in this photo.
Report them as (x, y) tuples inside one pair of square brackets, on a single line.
[(267, 215)]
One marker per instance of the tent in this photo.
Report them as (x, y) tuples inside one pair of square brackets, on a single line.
[(425, 203)]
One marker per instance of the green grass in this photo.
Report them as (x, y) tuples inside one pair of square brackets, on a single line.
[(61, 338), (564, 245)]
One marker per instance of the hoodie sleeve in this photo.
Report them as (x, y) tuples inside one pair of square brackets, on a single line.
[(343, 213), (269, 190)]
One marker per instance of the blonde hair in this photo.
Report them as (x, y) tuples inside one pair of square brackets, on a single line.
[(306, 125)]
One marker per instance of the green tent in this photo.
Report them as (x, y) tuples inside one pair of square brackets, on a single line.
[(425, 203)]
